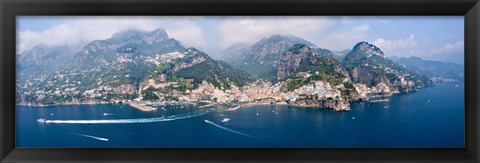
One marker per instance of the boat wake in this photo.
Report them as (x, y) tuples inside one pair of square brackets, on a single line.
[(233, 131), (93, 137), (140, 120), (107, 114)]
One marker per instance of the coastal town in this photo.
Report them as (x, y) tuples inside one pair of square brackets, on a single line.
[(317, 93)]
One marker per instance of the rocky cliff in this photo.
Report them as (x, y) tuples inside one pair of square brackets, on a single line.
[(260, 59), (367, 64), (301, 58)]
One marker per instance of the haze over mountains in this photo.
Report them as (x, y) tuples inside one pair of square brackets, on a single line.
[(433, 69), (260, 59), (135, 62)]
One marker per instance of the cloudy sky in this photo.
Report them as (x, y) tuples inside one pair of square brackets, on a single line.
[(435, 38)]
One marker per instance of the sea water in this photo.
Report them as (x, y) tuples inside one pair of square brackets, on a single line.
[(430, 117)]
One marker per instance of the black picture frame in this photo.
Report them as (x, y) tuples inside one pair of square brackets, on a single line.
[(470, 9)]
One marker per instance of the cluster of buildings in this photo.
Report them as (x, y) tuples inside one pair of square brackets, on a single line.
[(319, 90), (258, 91), (248, 93), (365, 92)]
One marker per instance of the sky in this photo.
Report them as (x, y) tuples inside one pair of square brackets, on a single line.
[(434, 38)]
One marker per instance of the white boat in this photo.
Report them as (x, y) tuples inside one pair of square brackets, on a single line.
[(41, 120), (257, 113), (225, 120)]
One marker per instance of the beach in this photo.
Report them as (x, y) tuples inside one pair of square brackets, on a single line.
[(142, 107)]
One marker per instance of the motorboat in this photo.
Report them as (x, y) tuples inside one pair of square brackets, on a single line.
[(41, 120), (225, 120)]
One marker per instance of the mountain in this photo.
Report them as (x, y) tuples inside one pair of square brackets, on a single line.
[(126, 45), (301, 58), (200, 67), (275, 44), (450, 57), (301, 69), (44, 59), (234, 52), (367, 64), (138, 60), (260, 58), (440, 71), (126, 65), (300, 65)]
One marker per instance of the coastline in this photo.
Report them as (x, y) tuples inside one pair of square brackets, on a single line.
[(67, 104), (141, 107), (234, 106)]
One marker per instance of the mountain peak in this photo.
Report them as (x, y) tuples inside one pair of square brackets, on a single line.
[(300, 49), (276, 44), (127, 33), (276, 38), (365, 47), (159, 32), (273, 36), (156, 35)]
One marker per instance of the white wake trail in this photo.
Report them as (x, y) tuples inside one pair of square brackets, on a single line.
[(232, 131), (140, 120), (107, 114), (94, 137)]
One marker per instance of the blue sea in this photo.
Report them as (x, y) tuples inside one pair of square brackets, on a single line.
[(431, 117)]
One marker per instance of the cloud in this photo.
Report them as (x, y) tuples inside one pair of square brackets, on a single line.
[(80, 30), (447, 48), (346, 20), (450, 52), (398, 47), (410, 46), (251, 29), (346, 38), (398, 43)]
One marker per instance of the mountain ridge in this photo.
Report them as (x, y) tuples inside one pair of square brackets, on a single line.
[(440, 71), (150, 66), (260, 58)]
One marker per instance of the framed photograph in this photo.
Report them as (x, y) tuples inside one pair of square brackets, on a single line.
[(167, 81)]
